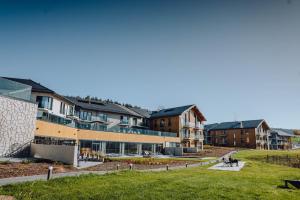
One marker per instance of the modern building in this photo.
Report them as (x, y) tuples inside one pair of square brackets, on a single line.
[(246, 134), (281, 139), (65, 127), (50, 104), (17, 117), (186, 121)]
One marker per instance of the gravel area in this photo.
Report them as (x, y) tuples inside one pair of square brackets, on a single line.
[(28, 169)]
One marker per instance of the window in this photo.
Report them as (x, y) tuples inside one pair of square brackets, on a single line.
[(155, 123), (71, 110), (135, 121), (84, 115), (62, 109), (162, 123), (44, 102), (169, 122), (124, 118)]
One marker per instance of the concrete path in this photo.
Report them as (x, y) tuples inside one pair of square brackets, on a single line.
[(22, 179), (221, 166)]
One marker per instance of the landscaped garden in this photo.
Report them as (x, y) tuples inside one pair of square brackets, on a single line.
[(257, 180)]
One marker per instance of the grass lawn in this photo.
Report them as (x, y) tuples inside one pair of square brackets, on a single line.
[(257, 180)]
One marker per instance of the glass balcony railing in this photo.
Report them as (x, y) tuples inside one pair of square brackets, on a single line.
[(101, 118), (99, 127), (124, 122), (142, 131)]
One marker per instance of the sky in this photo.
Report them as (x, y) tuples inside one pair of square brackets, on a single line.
[(236, 60)]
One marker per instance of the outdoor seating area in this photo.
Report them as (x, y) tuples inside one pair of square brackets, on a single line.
[(229, 164)]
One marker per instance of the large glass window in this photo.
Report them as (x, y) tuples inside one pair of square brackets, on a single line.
[(113, 147), (84, 115), (147, 147), (44, 102), (130, 148)]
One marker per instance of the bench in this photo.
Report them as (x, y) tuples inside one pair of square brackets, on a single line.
[(295, 183)]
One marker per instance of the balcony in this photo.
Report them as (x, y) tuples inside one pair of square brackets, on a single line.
[(187, 124), (199, 126), (99, 118), (124, 123), (91, 126), (186, 137), (199, 137)]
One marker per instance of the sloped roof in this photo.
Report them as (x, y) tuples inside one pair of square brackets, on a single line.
[(36, 87), (102, 106), (170, 111), (210, 126), (283, 132), (236, 124), (176, 111), (143, 112)]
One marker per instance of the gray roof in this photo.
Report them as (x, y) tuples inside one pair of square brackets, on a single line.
[(170, 111), (143, 112), (235, 125), (36, 87), (283, 132), (102, 106)]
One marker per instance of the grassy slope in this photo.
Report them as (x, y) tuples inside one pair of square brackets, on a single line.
[(256, 181)]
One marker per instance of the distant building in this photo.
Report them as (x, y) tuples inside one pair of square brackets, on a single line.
[(281, 139), (186, 121), (246, 134)]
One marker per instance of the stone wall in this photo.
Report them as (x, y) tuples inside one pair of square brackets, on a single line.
[(17, 123)]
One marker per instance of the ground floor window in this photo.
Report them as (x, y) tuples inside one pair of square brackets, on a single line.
[(113, 147), (147, 147), (131, 148)]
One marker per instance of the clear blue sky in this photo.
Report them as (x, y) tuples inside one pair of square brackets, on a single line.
[(236, 60)]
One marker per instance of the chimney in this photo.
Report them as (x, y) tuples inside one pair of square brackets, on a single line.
[(241, 124)]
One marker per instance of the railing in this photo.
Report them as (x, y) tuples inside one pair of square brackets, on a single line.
[(188, 124), (141, 131), (99, 118), (199, 137), (199, 126), (124, 122), (91, 126)]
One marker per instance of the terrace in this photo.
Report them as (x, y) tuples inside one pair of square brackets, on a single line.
[(98, 127)]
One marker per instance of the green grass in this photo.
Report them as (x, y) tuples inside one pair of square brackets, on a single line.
[(257, 180)]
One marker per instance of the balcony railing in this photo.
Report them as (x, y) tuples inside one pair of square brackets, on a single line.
[(199, 137), (199, 126), (124, 122), (92, 126), (188, 124), (99, 118)]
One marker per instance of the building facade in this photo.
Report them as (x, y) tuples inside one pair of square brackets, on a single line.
[(186, 121), (17, 117), (280, 139), (245, 134)]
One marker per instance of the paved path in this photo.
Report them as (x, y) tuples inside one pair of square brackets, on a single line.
[(22, 179)]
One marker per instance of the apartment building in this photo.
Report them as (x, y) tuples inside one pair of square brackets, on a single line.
[(50, 104), (91, 126), (281, 139), (247, 134), (186, 121)]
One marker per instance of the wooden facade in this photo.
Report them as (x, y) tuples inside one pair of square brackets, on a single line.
[(188, 125), (249, 137)]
